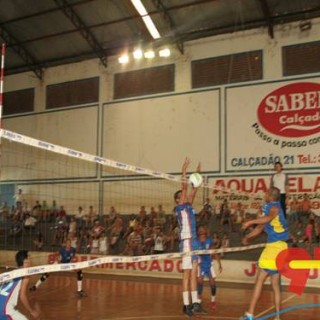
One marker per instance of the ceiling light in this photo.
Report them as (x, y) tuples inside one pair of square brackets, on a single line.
[(165, 52), (123, 59), (149, 54), (146, 19), (137, 54)]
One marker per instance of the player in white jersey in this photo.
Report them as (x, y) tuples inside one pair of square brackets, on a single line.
[(12, 291), (185, 215)]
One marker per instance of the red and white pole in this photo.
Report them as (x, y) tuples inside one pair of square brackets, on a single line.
[(3, 51)]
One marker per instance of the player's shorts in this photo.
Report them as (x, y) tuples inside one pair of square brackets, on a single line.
[(188, 245), (267, 260), (206, 272)]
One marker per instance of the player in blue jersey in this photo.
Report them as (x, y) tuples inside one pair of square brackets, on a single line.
[(14, 290), (185, 215), (66, 255), (206, 268), (273, 222)]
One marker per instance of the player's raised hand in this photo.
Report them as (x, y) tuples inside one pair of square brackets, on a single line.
[(185, 166), (199, 167)]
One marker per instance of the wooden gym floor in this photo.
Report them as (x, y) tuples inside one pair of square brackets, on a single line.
[(124, 299)]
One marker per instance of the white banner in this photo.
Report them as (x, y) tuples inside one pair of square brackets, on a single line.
[(249, 190), (279, 121)]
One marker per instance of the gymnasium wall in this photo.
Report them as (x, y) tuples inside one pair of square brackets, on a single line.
[(236, 130)]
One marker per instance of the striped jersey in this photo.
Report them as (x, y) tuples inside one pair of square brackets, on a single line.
[(186, 220), (277, 228)]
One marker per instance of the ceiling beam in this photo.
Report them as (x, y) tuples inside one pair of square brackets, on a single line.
[(30, 61), (267, 16), (170, 24), (83, 29)]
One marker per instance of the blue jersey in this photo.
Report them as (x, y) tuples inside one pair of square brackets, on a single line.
[(205, 259), (67, 255), (9, 293), (277, 228), (187, 221)]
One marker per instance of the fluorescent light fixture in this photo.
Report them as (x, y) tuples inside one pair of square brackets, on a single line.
[(149, 54), (165, 52), (123, 59), (137, 54), (146, 19)]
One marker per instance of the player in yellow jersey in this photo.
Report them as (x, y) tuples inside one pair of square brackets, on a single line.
[(275, 225)]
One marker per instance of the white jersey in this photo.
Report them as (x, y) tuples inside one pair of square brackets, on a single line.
[(280, 181), (9, 294)]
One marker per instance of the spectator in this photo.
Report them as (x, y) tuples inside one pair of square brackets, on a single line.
[(159, 241), (225, 243), (161, 215), (143, 215), (54, 210), (305, 207), (18, 198), (134, 246), (152, 216), (238, 214), (44, 211), (103, 244), (111, 217), (72, 230), (97, 229), (62, 213), (309, 231), (80, 218), (216, 240), (91, 218), (116, 235), (38, 241), (297, 234), (36, 210), (280, 180), (131, 225), (294, 209), (4, 211), (206, 212), (226, 220), (94, 245), (30, 222), (148, 238)]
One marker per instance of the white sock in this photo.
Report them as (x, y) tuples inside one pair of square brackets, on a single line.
[(185, 297), (38, 283), (194, 297), (79, 285), (213, 298)]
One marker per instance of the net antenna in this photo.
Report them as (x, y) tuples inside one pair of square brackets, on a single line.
[(3, 51)]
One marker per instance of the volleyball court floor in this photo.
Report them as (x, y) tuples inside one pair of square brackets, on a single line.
[(123, 299)]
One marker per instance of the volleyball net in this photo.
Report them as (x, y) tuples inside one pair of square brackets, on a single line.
[(59, 184)]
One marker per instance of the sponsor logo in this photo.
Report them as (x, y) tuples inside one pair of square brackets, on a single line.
[(292, 111)]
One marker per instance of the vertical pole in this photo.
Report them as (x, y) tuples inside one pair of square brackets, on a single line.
[(3, 50)]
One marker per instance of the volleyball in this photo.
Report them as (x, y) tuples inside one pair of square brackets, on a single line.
[(195, 179)]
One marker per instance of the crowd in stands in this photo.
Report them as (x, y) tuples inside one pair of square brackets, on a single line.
[(147, 231)]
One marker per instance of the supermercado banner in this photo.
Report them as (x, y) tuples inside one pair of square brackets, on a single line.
[(249, 190), (269, 122), (234, 271)]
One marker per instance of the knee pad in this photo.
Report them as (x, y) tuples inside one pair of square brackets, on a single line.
[(79, 275), (44, 277)]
